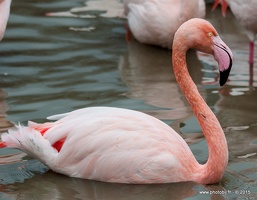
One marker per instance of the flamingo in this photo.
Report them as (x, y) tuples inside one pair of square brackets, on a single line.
[(156, 21), (4, 15), (125, 146), (245, 13)]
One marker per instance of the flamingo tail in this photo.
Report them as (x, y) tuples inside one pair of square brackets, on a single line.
[(30, 141)]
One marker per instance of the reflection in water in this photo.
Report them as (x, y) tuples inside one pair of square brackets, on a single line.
[(4, 123), (109, 9), (148, 73), (237, 116), (55, 186), (18, 168)]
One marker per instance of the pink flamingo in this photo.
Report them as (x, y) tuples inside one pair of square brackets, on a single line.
[(125, 146), (245, 13), (156, 21), (4, 15)]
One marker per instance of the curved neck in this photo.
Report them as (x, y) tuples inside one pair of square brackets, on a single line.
[(214, 168)]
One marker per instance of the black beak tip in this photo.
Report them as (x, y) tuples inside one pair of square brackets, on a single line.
[(224, 75)]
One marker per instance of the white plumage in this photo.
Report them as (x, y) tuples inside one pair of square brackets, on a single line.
[(156, 21)]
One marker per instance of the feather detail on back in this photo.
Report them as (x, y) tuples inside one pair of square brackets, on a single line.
[(42, 128), (58, 116)]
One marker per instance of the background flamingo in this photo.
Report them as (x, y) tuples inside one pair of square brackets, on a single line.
[(155, 22), (245, 13), (4, 15), (126, 146)]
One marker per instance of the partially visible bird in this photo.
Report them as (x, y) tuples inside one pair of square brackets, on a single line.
[(4, 15), (156, 21), (125, 146), (246, 13)]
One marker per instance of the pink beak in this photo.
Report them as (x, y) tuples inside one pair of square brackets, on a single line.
[(223, 55)]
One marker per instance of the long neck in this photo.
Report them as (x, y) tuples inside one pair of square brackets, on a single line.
[(214, 168)]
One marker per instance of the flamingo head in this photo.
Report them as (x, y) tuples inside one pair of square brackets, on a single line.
[(224, 6), (199, 34)]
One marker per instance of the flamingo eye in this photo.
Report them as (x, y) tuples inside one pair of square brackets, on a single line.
[(210, 34)]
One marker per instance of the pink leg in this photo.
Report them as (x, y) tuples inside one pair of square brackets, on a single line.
[(215, 4), (129, 35), (251, 74), (251, 53)]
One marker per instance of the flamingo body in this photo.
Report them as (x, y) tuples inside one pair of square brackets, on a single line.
[(4, 15), (246, 15), (120, 146), (126, 146), (156, 21)]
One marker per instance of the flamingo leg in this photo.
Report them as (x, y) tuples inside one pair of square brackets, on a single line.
[(251, 52), (251, 80), (129, 35), (224, 6), (215, 4)]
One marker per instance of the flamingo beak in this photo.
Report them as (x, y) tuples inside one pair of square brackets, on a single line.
[(223, 55), (224, 6)]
